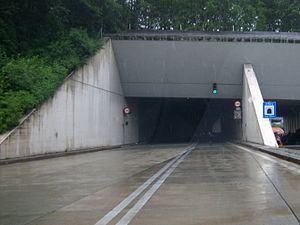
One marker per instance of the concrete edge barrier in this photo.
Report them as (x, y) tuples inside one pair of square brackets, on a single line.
[(278, 154), (57, 154)]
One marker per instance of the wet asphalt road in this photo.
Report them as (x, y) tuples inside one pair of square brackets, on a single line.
[(158, 184)]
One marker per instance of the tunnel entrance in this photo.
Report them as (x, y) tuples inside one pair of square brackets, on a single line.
[(178, 120), (288, 120)]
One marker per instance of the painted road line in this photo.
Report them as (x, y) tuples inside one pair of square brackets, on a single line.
[(288, 165), (126, 219), (122, 205)]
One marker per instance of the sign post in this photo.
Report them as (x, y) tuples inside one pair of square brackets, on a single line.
[(126, 112), (237, 104), (269, 110), (237, 112)]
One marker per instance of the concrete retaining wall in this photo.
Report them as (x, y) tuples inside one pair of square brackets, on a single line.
[(86, 112)]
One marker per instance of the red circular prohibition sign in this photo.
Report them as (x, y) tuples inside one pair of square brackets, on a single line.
[(126, 110)]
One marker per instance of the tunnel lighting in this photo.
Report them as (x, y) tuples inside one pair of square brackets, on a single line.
[(214, 90)]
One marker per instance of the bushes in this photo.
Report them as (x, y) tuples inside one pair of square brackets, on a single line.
[(24, 73), (72, 49), (3, 61), (12, 107), (26, 82)]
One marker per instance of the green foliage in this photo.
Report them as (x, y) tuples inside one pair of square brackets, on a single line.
[(3, 57), (3, 61), (72, 49), (26, 82), (215, 15), (23, 73), (12, 107)]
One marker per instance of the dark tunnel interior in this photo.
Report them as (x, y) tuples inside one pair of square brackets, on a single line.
[(181, 120)]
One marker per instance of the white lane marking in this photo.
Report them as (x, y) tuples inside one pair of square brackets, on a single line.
[(287, 165), (122, 205), (126, 219)]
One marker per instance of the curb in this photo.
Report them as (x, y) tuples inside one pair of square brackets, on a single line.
[(276, 154), (57, 154)]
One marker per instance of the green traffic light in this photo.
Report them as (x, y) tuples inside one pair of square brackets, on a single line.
[(214, 88)]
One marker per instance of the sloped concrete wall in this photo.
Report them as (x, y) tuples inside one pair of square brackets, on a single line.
[(256, 129), (86, 112)]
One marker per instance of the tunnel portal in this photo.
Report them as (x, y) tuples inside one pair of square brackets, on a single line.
[(173, 120), (166, 78)]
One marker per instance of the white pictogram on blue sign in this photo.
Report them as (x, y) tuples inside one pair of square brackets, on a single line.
[(269, 110)]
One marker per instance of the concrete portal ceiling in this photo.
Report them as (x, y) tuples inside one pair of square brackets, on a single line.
[(187, 64)]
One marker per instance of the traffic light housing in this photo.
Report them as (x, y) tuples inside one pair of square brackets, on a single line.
[(214, 90)]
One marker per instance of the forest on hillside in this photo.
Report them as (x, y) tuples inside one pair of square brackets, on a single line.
[(42, 41)]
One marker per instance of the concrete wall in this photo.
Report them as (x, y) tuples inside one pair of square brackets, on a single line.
[(188, 68), (291, 123), (256, 129), (85, 112)]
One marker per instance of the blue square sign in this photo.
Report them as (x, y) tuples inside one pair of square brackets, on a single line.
[(269, 110)]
